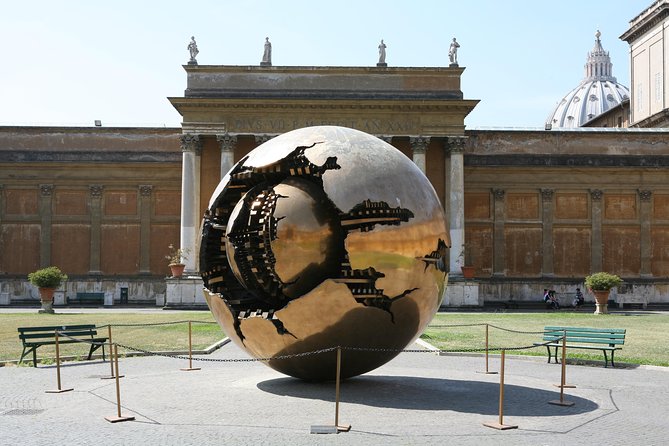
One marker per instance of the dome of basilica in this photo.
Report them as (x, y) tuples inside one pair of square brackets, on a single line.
[(597, 93)]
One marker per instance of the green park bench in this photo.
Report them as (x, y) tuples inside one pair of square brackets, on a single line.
[(87, 298), (604, 339), (35, 337)]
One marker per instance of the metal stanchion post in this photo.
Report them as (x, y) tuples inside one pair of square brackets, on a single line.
[(563, 380), (487, 372), (111, 354), (119, 417), (562, 401), (59, 390), (190, 349), (336, 428), (500, 424)]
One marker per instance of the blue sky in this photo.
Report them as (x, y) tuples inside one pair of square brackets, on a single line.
[(72, 62)]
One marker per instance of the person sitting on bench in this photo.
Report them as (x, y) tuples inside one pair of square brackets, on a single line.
[(550, 300), (578, 299)]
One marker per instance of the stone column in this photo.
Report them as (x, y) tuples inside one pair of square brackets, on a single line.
[(419, 145), (46, 192), (645, 211), (498, 239), (227, 143), (96, 230), (145, 228), (547, 245), (191, 146), (456, 145), (596, 237)]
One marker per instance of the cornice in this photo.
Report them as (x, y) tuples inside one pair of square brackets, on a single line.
[(323, 104), (647, 23)]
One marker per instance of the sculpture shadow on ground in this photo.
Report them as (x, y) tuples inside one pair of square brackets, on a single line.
[(419, 393)]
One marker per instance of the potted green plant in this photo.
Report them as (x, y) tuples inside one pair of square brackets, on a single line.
[(175, 258), (600, 284), (47, 280)]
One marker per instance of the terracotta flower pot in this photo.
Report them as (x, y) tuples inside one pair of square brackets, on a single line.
[(602, 301), (177, 269), (468, 272), (46, 299)]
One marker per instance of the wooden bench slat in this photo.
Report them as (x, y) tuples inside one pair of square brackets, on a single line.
[(34, 337), (585, 329), (589, 338)]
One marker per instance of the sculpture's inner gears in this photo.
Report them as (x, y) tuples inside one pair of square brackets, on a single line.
[(273, 235)]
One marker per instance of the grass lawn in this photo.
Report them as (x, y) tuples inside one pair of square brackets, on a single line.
[(644, 341), (153, 338)]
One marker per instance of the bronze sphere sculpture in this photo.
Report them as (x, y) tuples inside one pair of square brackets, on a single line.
[(324, 237)]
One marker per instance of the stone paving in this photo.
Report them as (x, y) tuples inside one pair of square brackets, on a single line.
[(418, 398)]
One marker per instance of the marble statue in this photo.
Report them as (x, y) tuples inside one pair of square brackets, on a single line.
[(453, 52), (382, 53), (192, 48), (267, 54)]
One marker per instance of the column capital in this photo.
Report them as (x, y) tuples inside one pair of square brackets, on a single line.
[(385, 138), (263, 138), (46, 189), (419, 144), (645, 195), (227, 142), (191, 143), (596, 194), (455, 144), (547, 194), (96, 190), (498, 194), (145, 190)]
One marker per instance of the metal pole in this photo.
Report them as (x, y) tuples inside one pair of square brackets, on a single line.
[(486, 348), (337, 387), (500, 423), (190, 344), (118, 416), (111, 355), (501, 390), (111, 346), (57, 358), (190, 349), (561, 401), (118, 387), (59, 390)]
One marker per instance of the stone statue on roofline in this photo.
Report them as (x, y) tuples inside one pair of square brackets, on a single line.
[(267, 54), (382, 55), (453, 53), (192, 48)]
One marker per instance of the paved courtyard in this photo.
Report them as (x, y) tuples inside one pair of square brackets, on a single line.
[(418, 398)]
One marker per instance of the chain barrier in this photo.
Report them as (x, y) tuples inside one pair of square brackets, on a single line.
[(167, 355), (153, 324), (324, 350), (516, 331), (455, 325)]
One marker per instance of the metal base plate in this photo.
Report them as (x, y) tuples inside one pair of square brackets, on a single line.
[(191, 369), (58, 390), (561, 403), (566, 386), (115, 419), (498, 426), (111, 377), (329, 429)]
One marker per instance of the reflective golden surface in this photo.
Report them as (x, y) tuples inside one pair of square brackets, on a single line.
[(324, 237)]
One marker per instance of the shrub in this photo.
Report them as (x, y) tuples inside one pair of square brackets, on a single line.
[(602, 281), (49, 277)]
